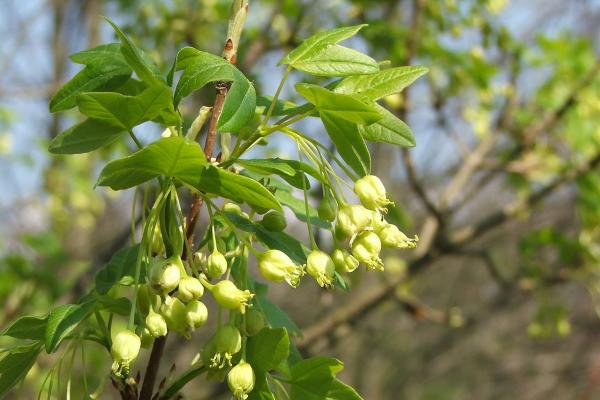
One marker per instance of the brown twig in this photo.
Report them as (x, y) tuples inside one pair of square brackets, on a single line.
[(239, 11)]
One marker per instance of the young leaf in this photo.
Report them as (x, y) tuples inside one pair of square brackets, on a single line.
[(317, 42), (276, 317), (144, 68), (313, 378), (277, 166), (339, 105), (380, 84), (84, 137), (15, 365), (63, 320), (105, 69), (172, 157), (232, 186), (261, 390), (27, 327), (201, 68), (128, 111), (348, 142), (389, 129), (119, 270), (267, 349), (298, 207), (337, 60), (338, 390), (239, 106)]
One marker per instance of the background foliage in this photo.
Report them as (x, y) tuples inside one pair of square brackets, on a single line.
[(499, 300)]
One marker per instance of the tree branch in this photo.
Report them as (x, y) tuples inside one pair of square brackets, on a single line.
[(237, 19)]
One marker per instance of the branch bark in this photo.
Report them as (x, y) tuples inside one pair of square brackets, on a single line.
[(237, 19)]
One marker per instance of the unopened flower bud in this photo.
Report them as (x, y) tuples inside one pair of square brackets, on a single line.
[(378, 222), (196, 314), (352, 219), (320, 266), (276, 266), (371, 192), (216, 265), (241, 380), (189, 289), (232, 208), (229, 296), (366, 247), (326, 210), (174, 313), (156, 324), (274, 221), (391, 236), (158, 247), (143, 299), (343, 261), (255, 321), (199, 261), (164, 275), (125, 349), (146, 338), (218, 352)]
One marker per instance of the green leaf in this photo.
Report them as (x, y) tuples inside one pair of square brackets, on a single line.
[(119, 270), (267, 349), (313, 378), (338, 390), (235, 187), (389, 129), (298, 207), (339, 105), (63, 320), (84, 137), (349, 143), (128, 111), (27, 327), (337, 60), (380, 84), (15, 365), (286, 169), (172, 157), (282, 107), (239, 106), (317, 42), (261, 390), (182, 159), (276, 317), (121, 305), (141, 64), (105, 69), (201, 68)]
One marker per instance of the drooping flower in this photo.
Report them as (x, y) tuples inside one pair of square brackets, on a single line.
[(276, 266), (320, 266), (371, 192)]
